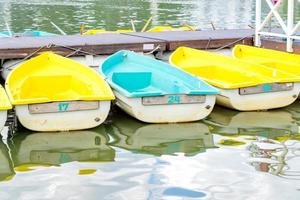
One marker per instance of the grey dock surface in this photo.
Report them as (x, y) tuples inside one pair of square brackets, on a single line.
[(108, 43)]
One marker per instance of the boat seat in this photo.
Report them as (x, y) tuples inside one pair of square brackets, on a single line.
[(53, 87), (132, 81), (136, 83)]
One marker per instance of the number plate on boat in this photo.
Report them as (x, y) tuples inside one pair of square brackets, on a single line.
[(173, 99), (272, 87), (67, 106)]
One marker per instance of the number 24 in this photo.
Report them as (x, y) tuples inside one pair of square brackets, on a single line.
[(173, 99)]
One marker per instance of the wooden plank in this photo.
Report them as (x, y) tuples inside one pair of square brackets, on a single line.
[(72, 40), (209, 44), (201, 39), (96, 49), (278, 45), (108, 43), (100, 44)]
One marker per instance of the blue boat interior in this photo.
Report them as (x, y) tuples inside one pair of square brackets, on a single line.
[(37, 33), (135, 75), (26, 33), (5, 34)]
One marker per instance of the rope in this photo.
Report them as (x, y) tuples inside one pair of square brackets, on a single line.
[(28, 56), (73, 53), (155, 49), (74, 49), (145, 37), (48, 47), (232, 43), (208, 43)]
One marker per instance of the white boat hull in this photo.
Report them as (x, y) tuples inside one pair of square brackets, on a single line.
[(263, 101), (165, 113), (63, 121)]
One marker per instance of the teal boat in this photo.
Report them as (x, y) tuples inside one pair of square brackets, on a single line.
[(155, 92), (37, 33), (5, 34), (26, 33)]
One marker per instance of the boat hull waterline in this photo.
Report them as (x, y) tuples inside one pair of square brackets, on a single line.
[(63, 120), (165, 113), (264, 101)]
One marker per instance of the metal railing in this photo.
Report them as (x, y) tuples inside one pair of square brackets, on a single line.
[(289, 29)]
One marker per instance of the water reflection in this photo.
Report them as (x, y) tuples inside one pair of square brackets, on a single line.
[(277, 158), (144, 167), (46, 149), (160, 139), (269, 124), (294, 109), (274, 147), (6, 166)]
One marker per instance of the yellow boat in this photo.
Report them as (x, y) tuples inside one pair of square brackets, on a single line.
[(99, 31), (279, 60), (154, 29), (170, 28), (244, 86), (4, 106), (54, 93)]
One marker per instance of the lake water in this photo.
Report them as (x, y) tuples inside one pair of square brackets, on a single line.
[(230, 155), (116, 14)]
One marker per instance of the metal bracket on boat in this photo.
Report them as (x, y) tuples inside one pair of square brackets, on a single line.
[(11, 122)]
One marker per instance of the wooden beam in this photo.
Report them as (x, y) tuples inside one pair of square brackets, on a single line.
[(109, 43)]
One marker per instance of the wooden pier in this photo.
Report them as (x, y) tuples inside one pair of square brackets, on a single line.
[(108, 43)]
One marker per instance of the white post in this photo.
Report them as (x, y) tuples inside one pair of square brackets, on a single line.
[(274, 10), (290, 26), (258, 23)]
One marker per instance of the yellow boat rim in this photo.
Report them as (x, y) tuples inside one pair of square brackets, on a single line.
[(50, 77), (99, 31), (170, 28), (5, 103), (287, 62)]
